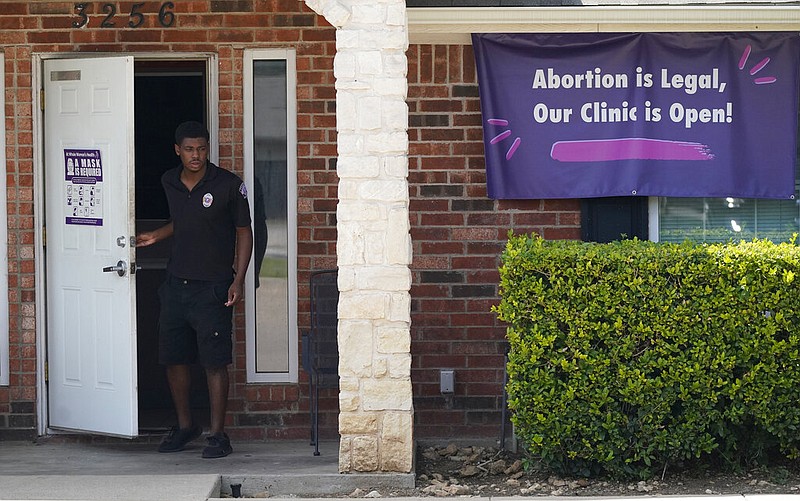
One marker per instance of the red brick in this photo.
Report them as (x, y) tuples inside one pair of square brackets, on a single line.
[(48, 37), (140, 35), (13, 8), (562, 234)]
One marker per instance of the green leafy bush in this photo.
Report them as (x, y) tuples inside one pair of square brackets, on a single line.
[(627, 356)]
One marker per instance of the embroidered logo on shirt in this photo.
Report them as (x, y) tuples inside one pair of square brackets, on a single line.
[(243, 190), (208, 199)]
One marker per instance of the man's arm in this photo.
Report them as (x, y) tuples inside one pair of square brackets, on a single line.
[(150, 237), (244, 249)]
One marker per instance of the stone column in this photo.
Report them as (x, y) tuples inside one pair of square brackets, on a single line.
[(374, 245)]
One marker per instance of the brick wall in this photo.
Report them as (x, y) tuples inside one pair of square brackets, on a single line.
[(458, 235), (457, 232), (17, 401)]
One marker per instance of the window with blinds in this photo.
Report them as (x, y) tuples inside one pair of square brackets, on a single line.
[(724, 219)]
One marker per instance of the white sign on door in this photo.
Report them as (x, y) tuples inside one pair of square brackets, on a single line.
[(83, 187)]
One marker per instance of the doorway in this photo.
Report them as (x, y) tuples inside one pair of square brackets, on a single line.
[(106, 138), (166, 94)]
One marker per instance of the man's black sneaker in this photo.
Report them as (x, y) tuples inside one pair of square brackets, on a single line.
[(178, 438), (219, 446)]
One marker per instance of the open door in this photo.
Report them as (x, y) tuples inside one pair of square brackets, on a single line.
[(90, 229)]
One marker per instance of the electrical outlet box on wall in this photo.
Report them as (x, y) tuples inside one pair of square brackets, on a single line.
[(447, 381)]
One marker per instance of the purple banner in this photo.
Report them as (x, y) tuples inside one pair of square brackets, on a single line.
[(647, 114)]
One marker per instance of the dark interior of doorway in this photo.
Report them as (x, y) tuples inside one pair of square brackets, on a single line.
[(166, 93)]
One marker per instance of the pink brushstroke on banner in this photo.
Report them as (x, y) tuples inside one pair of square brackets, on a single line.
[(602, 150)]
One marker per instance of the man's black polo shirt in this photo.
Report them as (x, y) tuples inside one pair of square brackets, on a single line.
[(204, 222)]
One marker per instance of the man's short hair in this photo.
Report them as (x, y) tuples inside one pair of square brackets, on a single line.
[(192, 130)]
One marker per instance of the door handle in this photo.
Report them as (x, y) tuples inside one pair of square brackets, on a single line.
[(120, 268)]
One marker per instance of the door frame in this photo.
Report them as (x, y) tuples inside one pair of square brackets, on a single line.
[(37, 83), (4, 324)]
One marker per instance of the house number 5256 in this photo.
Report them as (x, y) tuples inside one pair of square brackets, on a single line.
[(135, 17)]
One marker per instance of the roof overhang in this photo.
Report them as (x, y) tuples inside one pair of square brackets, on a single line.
[(449, 25)]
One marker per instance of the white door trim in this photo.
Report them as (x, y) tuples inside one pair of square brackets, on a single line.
[(4, 361), (37, 64), (288, 55), (448, 25)]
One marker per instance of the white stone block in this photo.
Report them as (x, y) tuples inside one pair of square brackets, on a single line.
[(361, 305), (348, 39), (395, 166), (400, 307), (350, 143), (388, 38), (336, 13), (395, 114), (395, 64), (349, 384), (346, 278), (355, 347), (392, 87), (346, 112), (396, 15), (397, 456), (345, 455), (360, 211), (389, 190), (398, 238), (369, 62), (362, 84), (370, 113), (392, 143), (358, 167), (358, 423), (364, 453), (348, 402), (397, 426), (366, 14), (344, 65), (374, 249), (380, 368), (387, 278), (348, 188), (386, 394), (350, 243), (400, 366), (393, 338), (400, 250), (399, 223), (398, 39), (397, 441)]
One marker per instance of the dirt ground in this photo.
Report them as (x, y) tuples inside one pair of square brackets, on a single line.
[(485, 471)]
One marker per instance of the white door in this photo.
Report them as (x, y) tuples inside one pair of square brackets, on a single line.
[(91, 290)]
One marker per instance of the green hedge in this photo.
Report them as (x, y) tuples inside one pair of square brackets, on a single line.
[(625, 357)]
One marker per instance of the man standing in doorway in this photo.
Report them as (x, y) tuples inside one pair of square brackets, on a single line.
[(211, 247)]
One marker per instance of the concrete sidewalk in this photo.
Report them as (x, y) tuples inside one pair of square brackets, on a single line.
[(281, 470), (123, 471), (110, 487)]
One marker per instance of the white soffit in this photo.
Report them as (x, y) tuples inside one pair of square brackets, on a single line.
[(452, 25)]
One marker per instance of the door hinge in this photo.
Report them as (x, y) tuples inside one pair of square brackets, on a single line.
[(44, 236), (41, 99), (46, 371)]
